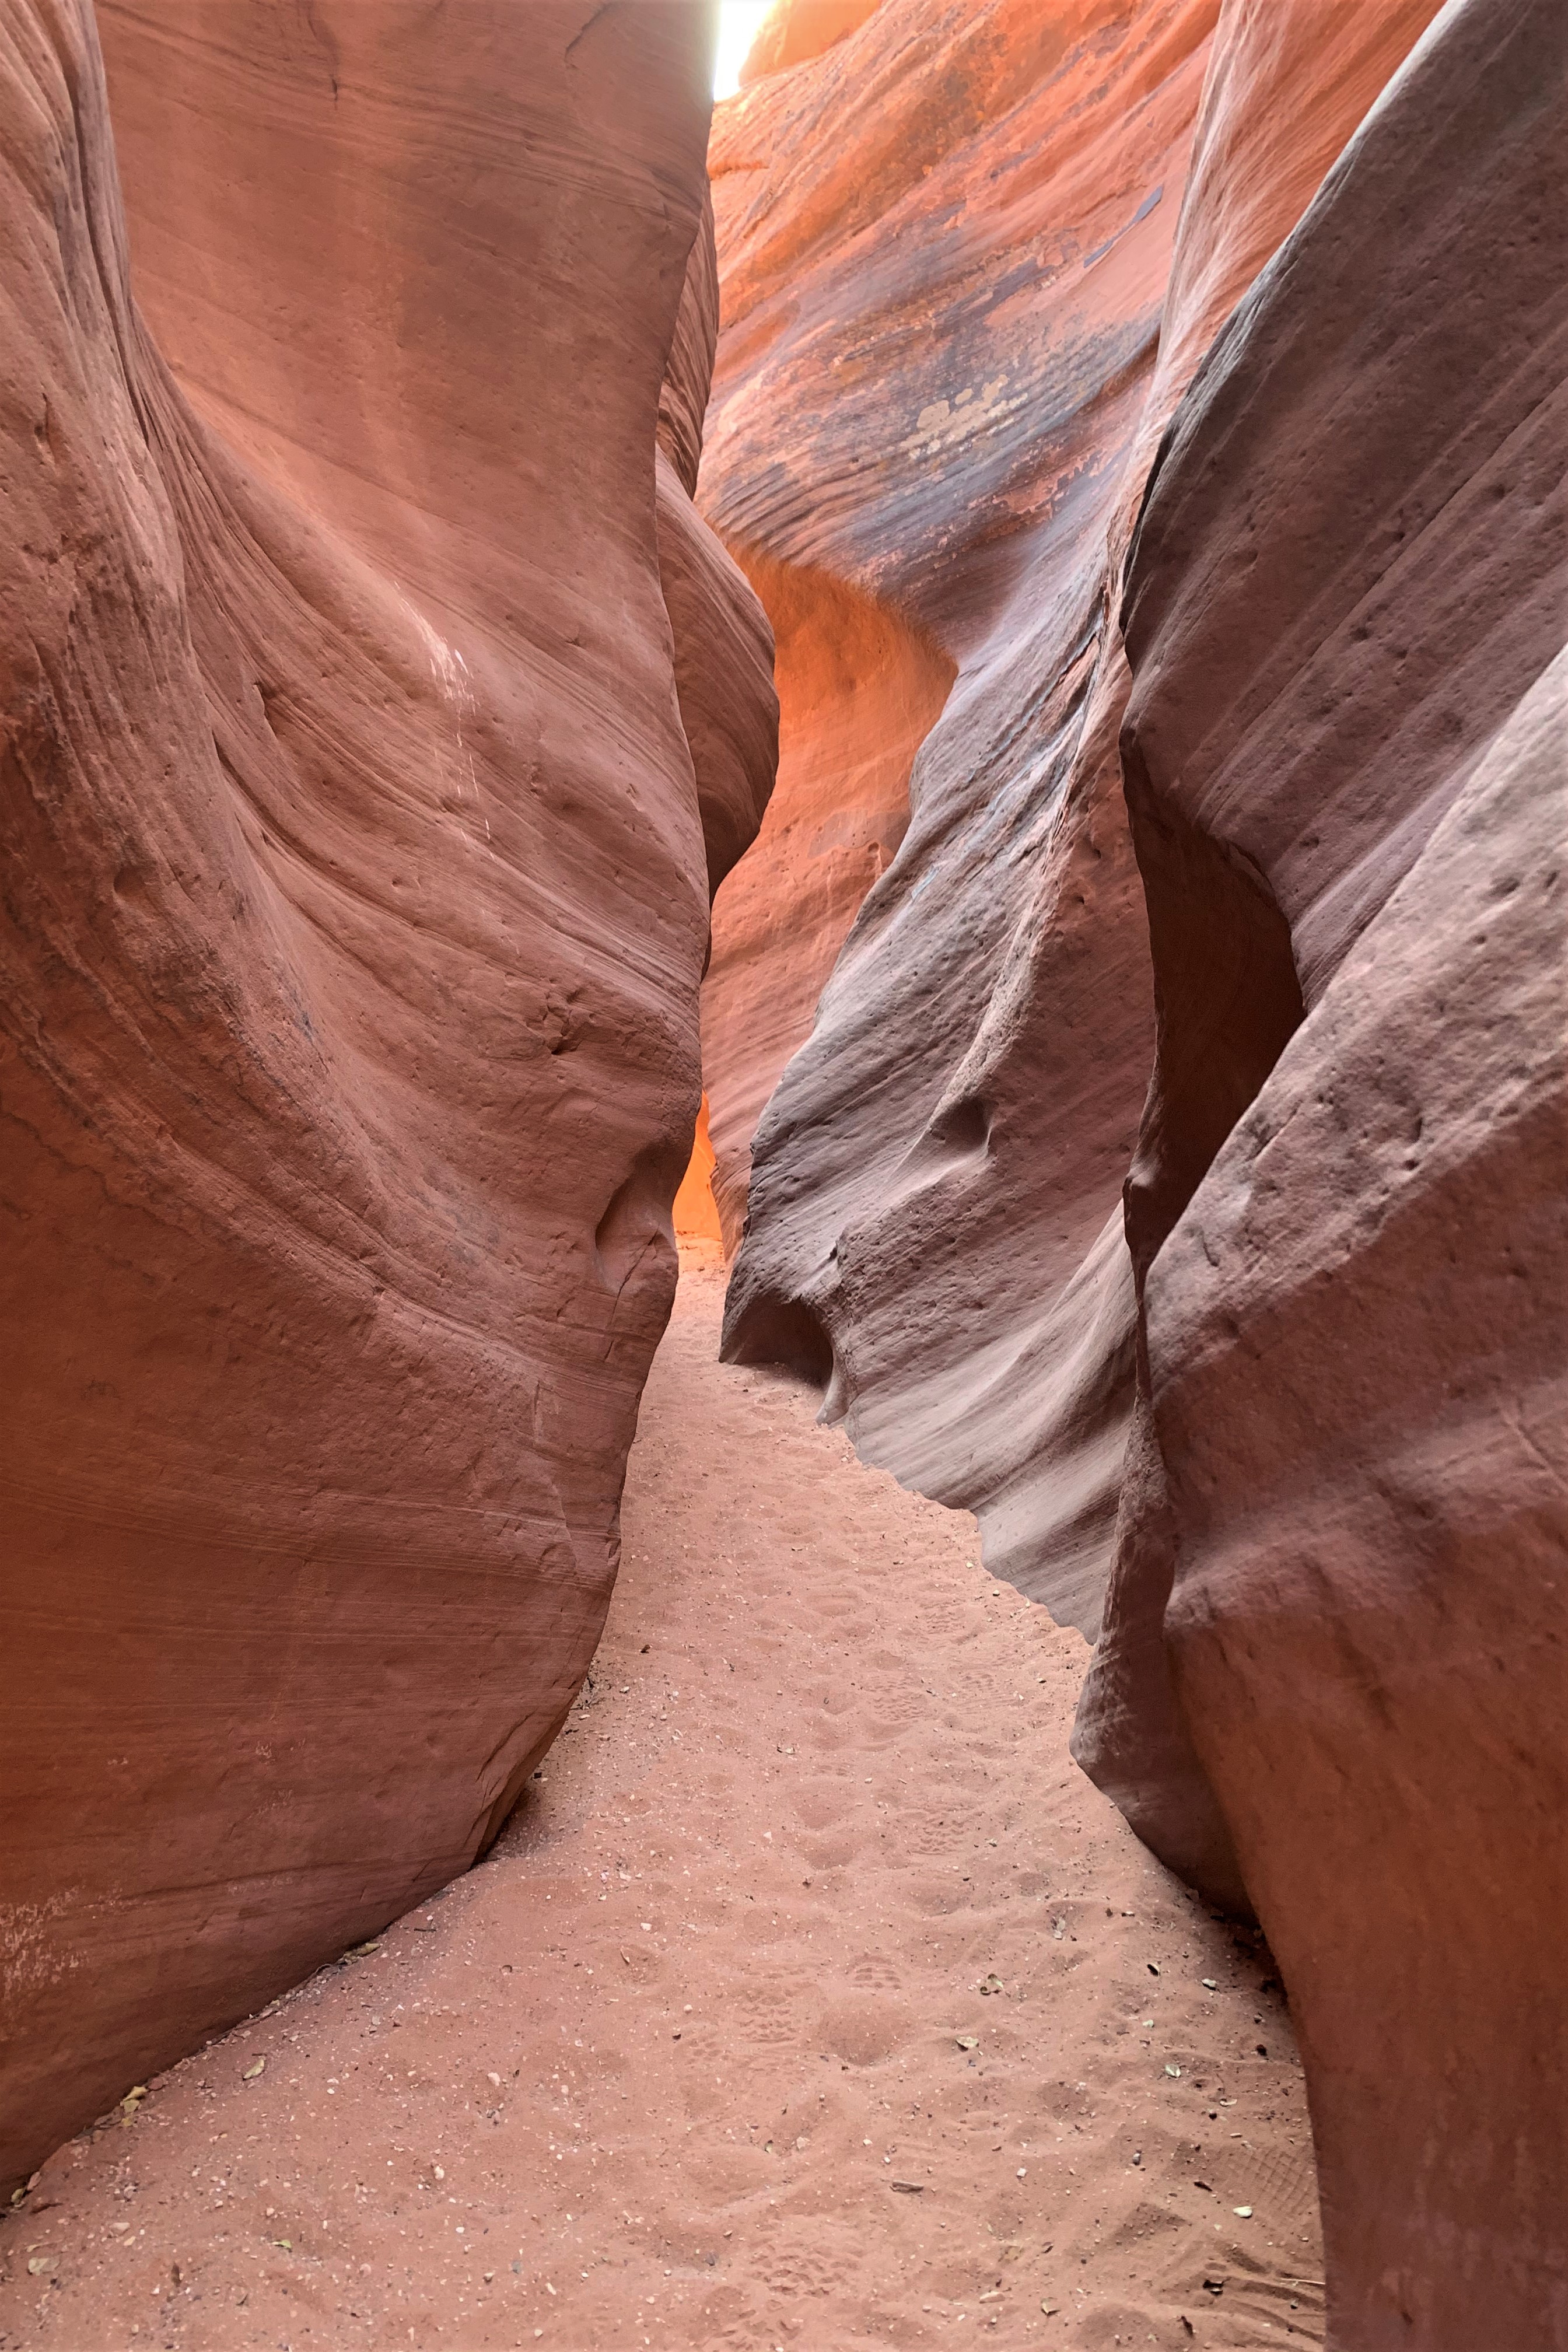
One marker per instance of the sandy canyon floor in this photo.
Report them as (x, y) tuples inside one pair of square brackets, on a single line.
[(812, 1998)]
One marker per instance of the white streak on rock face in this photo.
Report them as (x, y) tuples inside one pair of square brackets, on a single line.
[(450, 672), (944, 424), (32, 1947)]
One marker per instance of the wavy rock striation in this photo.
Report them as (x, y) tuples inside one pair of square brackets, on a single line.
[(944, 247), (969, 218), (1333, 1655), (723, 644), (351, 954), (1173, 1171)]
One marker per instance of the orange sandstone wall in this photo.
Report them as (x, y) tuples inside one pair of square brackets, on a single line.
[(798, 29), (970, 257), (1167, 1174), (858, 690), (349, 1057), (697, 1233), (944, 247)]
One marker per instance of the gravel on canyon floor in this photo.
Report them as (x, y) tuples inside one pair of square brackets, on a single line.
[(812, 1997)]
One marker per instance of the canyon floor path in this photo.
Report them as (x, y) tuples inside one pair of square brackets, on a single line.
[(812, 1998)]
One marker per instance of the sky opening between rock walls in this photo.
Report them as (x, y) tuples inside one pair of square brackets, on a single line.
[(738, 25)]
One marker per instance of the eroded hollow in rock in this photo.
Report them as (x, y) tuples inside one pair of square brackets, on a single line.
[(782, 1331)]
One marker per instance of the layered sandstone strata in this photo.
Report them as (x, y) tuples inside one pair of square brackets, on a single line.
[(956, 306), (1332, 1664), (1284, 859), (950, 258), (358, 907)]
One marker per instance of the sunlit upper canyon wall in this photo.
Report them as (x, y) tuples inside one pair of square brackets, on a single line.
[(1144, 424), (377, 714)]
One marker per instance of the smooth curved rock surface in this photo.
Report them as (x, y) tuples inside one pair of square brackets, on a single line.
[(724, 643), (858, 690), (1361, 1416), (956, 305), (1349, 569), (350, 991), (968, 220), (1334, 1659)]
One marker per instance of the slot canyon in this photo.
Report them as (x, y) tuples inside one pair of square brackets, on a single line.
[(783, 1112)]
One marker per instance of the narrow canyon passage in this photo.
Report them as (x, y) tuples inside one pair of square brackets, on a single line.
[(812, 1997)]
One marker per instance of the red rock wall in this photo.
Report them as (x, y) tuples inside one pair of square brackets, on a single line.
[(859, 689), (956, 307), (797, 29), (723, 644), (1282, 864), (351, 956), (1333, 1652), (950, 259)]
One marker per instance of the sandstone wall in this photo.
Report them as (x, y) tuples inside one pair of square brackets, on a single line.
[(972, 257), (944, 247), (1171, 1174), (1334, 1658), (357, 903)]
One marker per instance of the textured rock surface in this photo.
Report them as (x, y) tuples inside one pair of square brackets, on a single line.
[(723, 644), (956, 307), (963, 219), (859, 689), (351, 957), (1332, 1673), (1349, 569), (1363, 1413), (1344, 758)]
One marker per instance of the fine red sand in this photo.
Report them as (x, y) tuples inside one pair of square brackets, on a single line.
[(812, 1998)]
